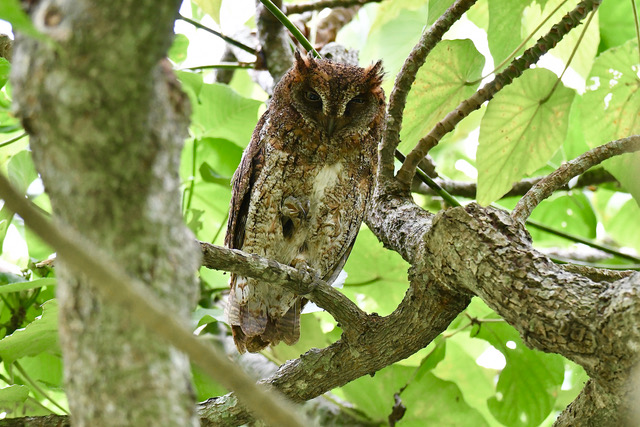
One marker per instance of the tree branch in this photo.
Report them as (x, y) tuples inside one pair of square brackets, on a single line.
[(467, 189), (406, 77), (561, 176), (132, 295), (323, 4), (304, 282), (515, 70), (227, 39)]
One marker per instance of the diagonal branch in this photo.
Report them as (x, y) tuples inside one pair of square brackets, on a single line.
[(570, 21), (406, 77), (304, 282), (561, 176), (117, 286), (322, 4), (467, 189)]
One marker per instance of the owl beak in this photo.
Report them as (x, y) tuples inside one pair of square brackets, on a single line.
[(330, 125)]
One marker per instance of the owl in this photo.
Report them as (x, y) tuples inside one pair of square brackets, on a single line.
[(302, 189)]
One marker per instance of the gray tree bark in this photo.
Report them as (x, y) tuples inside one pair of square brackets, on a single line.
[(107, 122)]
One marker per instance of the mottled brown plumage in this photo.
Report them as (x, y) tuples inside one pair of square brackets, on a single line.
[(302, 187)]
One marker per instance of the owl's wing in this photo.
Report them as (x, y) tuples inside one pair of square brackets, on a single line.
[(335, 270), (243, 179)]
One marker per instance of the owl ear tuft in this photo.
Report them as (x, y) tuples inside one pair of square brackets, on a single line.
[(303, 61), (375, 73)]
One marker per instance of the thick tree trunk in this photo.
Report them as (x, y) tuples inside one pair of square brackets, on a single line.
[(106, 122)]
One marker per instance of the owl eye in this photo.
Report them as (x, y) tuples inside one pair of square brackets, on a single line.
[(357, 100), (312, 96)]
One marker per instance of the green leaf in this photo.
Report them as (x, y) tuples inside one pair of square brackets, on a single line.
[(11, 11), (222, 113), (617, 25), (523, 127), (39, 336), (394, 33), (24, 286), (377, 277), (13, 394), (529, 383), (209, 175), (211, 7), (21, 171), (505, 27), (178, 51), (430, 401), (586, 52), (432, 359), (5, 68), (611, 110), (440, 85), (571, 213), (624, 225), (206, 388)]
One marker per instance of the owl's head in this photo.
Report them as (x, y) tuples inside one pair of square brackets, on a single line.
[(338, 100)]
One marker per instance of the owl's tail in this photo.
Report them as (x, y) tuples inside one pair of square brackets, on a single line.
[(254, 329)]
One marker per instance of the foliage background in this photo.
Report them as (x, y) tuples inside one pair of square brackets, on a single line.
[(477, 373)]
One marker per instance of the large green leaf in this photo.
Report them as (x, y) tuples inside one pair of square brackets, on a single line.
[(222, 113), (529, 383), (617, 25), (21, 171), (568, 212), (392, 39), (505, 25), (624, 225), (39, 336), (584, 55), (211, 7), (10, 10), (24, 286), (377, 277), (5, 68), (523, 127), (611, 110), (13, 394), (429, 401), (440, 85)]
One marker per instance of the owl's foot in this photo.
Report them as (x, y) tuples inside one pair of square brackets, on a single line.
[(293, 211)]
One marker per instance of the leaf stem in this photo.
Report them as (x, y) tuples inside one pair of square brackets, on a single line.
[(219, 34), (37, 388), (275, 10)]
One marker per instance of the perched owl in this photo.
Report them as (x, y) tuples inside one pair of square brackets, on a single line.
[(302, 187)]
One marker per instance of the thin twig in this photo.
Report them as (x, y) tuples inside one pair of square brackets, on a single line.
[(578, 239), (468, 189), (115, 285), (406, 77), (275, 10), (303, 282), (224, 66), (37, 388), (515, 70), (228, 39), (322, 4), (561, 176), (12, 140)]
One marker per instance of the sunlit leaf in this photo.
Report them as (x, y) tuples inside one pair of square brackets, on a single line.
[(528, 385), (617, 24), (13, 394), (178, 50), (523, 127), (440, 85), (10, 10), (211, 7), (24, 286), (505, 24), (611, 110), (39, 336)]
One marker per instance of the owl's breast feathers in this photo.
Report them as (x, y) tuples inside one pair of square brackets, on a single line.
[(298, 199)]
